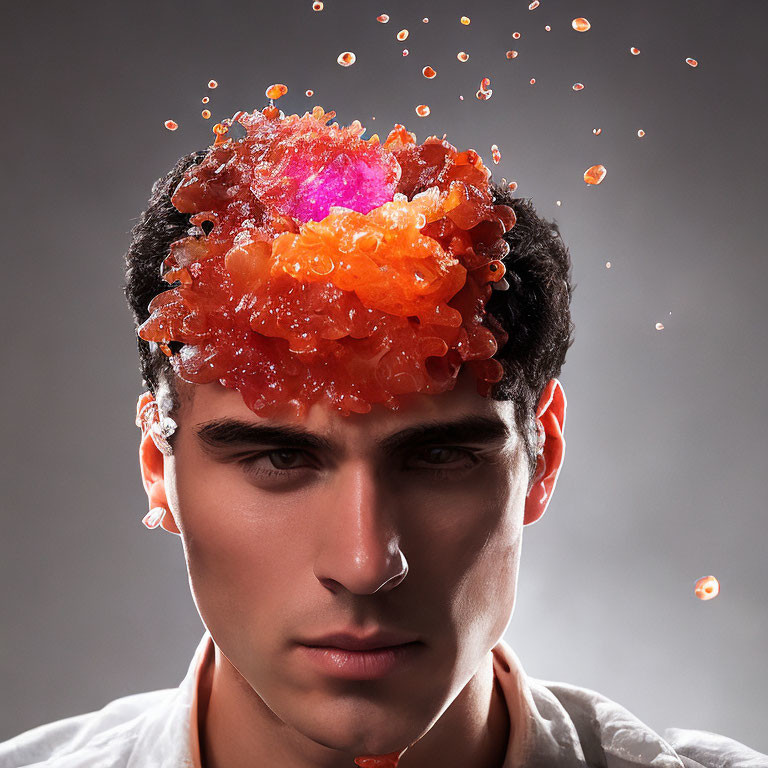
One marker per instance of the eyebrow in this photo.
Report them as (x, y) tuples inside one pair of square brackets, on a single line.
[(477, 429)]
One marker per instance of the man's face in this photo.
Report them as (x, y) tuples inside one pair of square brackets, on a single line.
[(389, 521)]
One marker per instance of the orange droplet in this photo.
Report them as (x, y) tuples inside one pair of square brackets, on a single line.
[(578, 86), (516, 35), (659, 326), (485, 83), (532, 81), (425, 20), (317, 6), (597, 131), (422, 110), (548, 28), (220, 129), (706, 588), (346, 59), (171, 125), (206, 113), (512, 186), (428, 72), (641, 133), (309, 92), (535, 4), (205, 99), (465, 20), (595, 174), (484, 95), (692, 62), (634, 51), (402, 35), (607, 264), (213, 84), (276, 90), (511, 54), (405, 51), (462, 56), (581, 24), (384, 18), (495, 153)]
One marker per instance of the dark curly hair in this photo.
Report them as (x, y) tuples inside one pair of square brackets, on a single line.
[(535, 311)]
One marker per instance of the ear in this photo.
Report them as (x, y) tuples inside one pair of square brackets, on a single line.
[(152, 463), (551, 413)]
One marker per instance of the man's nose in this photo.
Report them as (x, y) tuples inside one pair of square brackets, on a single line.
[(359, 540)]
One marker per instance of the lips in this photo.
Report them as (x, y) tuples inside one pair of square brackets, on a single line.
[(350, 641)]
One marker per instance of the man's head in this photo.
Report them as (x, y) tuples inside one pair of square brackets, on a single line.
[(407, 521)]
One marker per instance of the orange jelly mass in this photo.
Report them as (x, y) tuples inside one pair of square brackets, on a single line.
[(325, 268)]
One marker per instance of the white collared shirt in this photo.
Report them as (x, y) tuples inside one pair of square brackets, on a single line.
[(563, 726)]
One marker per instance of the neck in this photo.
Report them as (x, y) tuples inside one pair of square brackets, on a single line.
[(238, 730)]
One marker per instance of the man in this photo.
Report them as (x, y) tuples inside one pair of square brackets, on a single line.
[(351, 511)]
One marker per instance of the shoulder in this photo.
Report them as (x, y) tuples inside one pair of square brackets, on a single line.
[(608, 731), (100, 739)]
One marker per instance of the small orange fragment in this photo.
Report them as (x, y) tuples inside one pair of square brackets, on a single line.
[(581, 24), (171, 125), (422, 110), (384, 18), (594, 174), (597, 131), (535, 4), (532, 81), (634, 51), (428, 72), (465, 20), (213, 84), (205, 99), (516, 35), (484, 95), (578, 86), (317, 5), (425, 20), (405, 51), (692, 62), (495, 153), (706, 588), (512, 186), (511, 54), (462, 56), (485, 83), (206, 113), (346, 59), (220, 129), (640, 133), (309, 92), (402, 35), (276, 90)]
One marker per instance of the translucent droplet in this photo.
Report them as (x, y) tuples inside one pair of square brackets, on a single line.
[(465, 20), (402, 35), (607, 264), (511, 54), (594, 174), (309, 92), (634, 51), (346, 59), (532, 81), (706, 588), (484, 95), (581, 24), (462, 56), (512, 186), (535, 4), (220, 129), (422, 110), (597, 131), (692, 62), (558, 203), (640, 133), (428, 72), (205, 99), (485, 83), (206, 113), (317, 5), (213, 84), (425, 20), (578, 86), (516, 35), (495, 153), (405, 51), (171, 125), (659, 326), (276, 90), (384, 18), (547, 28)]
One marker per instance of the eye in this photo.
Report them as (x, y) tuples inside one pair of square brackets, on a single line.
[(275, 463), (444, 457)]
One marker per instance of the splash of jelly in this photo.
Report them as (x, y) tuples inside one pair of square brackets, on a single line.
[(512, 186), (402, 35), (534, 5), (346, 59), (597, 131), (484, 95), (706, 588), (516, 35), (171, 125), (317, 5), (462, 56), (511, 54), (640, 133), (428, 72), (692, 62), (422, 110), (495, 153), (578, 86), (309, 92), (205, 99), (379, 761), (405, 51), (532, 81), (595, 174), (276, 90), (206, 113), (383, 19), (213, 84), (465, 20), (634, 51), (581, 24)]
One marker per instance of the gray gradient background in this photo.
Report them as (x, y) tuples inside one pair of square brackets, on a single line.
[(665, 474)]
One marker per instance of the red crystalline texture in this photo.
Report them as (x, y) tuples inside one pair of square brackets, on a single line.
[(361, 300)]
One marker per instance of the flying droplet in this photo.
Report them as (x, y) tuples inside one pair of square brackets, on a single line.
[(581, 24), (484, 95), (578, 86), (485, 83), (511, 54), (213, 84), (205, 99), (532, 81), (425, 20), (516, 35), (384, 18), (706, 588), (512, 186), (309, 92), (595, 174), (402, 35), (428, 72), (422, 110), (220, 129), (692, 62), (607, 264), (495, 153), (206, 113), (317, 6), (465, 20), (640, 133), (405, 51), (548, 28), (634, 51), (534, 5), (171, 125), (276, 91), (462, 56), (659, 326), (346, 59), (597, 131)]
